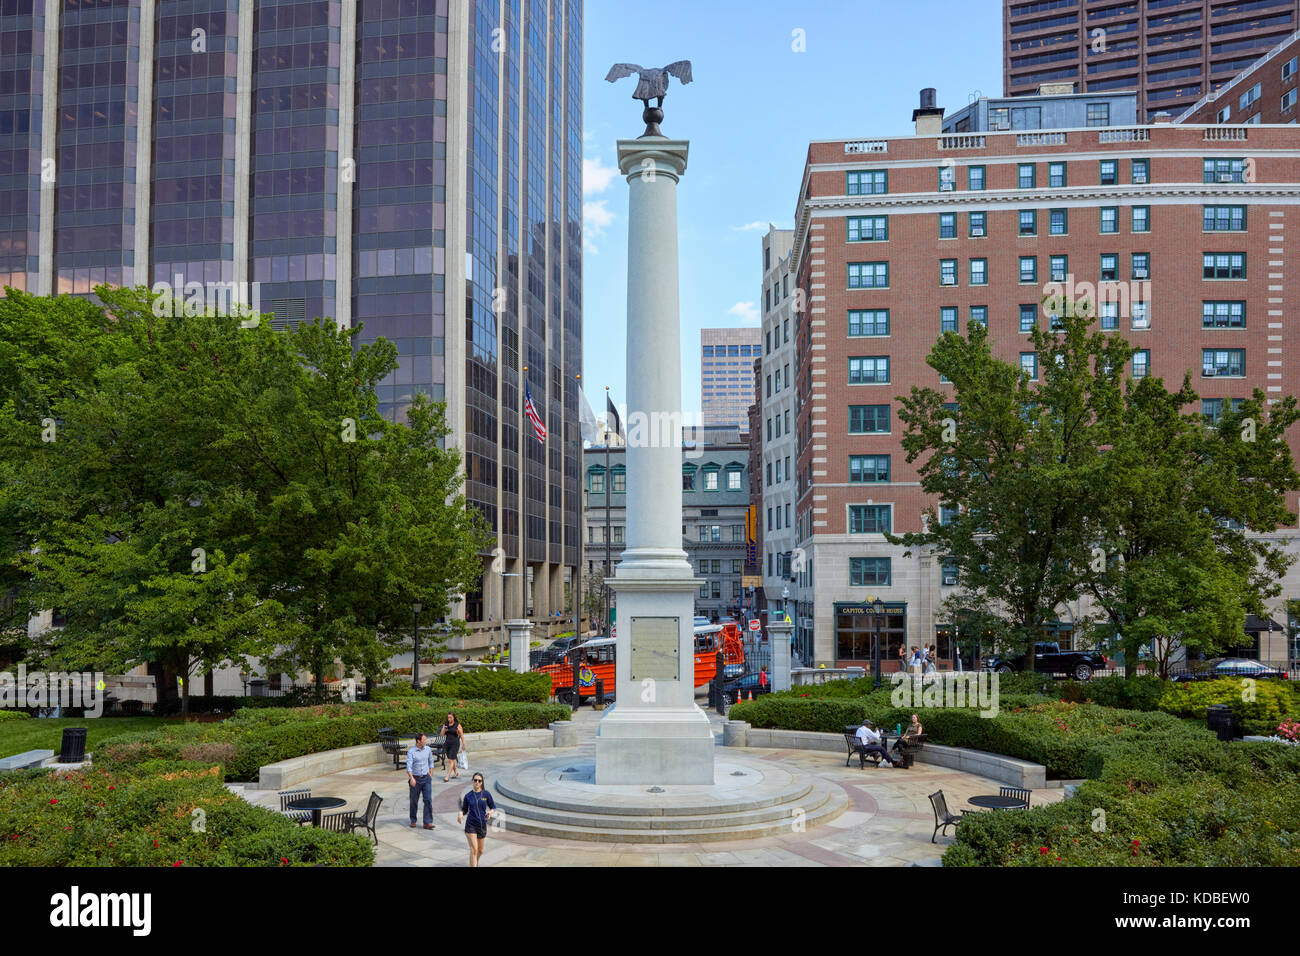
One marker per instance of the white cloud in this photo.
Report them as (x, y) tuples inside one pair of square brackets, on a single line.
[(754, 226), (596, 218), (596, 176), (747, 312)]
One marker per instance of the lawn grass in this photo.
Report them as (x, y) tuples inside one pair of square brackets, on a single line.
[(39, 733)]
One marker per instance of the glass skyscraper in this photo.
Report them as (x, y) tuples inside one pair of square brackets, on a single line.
[(386, 163)]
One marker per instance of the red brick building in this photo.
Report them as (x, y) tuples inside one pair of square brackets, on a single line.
[(1264, 92), (1170, 51), (900, 238)]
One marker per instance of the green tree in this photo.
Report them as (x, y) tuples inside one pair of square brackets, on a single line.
[(1014, 461)]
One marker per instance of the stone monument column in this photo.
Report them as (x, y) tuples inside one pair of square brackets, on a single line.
[(779, 633), (520, 637), (655, 734)]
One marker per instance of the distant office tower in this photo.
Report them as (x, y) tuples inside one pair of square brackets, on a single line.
[(413, 166), (1171, 52), (727, 375)]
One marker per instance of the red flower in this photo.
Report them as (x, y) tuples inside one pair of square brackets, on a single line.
[(1042, 850), (68, 828), (53, 801), (1058, 857), (177, 863), (284, 859), (155, 842), (112, 788)]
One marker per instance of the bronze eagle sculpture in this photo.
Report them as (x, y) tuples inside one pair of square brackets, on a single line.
[(653, 85)]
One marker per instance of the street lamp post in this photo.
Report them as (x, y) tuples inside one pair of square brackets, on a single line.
[(878, 612), (416, 606)]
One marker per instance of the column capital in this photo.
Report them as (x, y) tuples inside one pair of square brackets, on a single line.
[(663, 156)]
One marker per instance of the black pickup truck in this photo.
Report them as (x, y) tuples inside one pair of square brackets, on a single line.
[(1050, 659)]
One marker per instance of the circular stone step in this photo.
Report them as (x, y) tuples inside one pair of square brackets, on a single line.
[(750, 799)]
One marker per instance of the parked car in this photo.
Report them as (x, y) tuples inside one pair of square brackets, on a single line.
[(1226, 667), (741, 687), (1050, 659)]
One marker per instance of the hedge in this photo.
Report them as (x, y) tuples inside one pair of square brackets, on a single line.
[(1272, 701), (13, 715), (254, 738), (102, 818), (493, 685)]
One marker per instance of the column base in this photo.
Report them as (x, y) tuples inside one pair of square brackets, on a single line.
[(655, 746)]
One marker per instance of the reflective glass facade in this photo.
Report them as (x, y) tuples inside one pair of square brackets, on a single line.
[(22, 40)]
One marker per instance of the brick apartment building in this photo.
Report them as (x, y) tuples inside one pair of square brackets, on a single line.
[(1264, 92), (900, 238), (1171, 52)]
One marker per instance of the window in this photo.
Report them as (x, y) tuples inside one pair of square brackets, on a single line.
[(1028, 317), (1289, 68), (868, 572), (596, 482), (974, 177), (979, 272), (1109, 219), (688, 479), (1109, 267), (978, 225), (1098, 114), (618, 533), (1140, 315), (1249, 97), (1223, 315), (1029, 365), (868, 419), (779, 479), (1223, 218), (710, 478), (1058, 222), (1221, 362), (868, 182), (1109, 172), (1056, 175), (948, 318), (1141, 219), (1223, 171), (947, 178), (868, 275), (1028, 268), (947, 272), (733, 479), (1140, 171), (1223, 265), (868, 468), (1224, 114), (769, 473), (1026, 177), (1141, 363), (979, 315), (1288, 100), (1058, 267), (1213, 408), (868, 322), (869, 370), (1028, 222), (948, 514), (868, 228), (947, 225), (1108, 316), (869, 519), (949, 572), (619, 479), (1141, 265)]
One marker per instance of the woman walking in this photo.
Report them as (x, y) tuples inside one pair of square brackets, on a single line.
[(476, 809), (454, 735)]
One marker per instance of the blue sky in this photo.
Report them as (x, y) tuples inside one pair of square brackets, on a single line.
[(754, 106)]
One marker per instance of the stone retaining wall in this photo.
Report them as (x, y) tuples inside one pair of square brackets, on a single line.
[(1008, 770)]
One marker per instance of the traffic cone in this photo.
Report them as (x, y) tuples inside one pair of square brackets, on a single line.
[(751, 695)]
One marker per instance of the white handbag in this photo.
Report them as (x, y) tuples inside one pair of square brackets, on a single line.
[(462, 760)]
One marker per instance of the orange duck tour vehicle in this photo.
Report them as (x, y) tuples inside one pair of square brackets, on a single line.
[(595, 660)]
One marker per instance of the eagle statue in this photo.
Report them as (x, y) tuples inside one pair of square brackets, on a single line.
[(652, 85)]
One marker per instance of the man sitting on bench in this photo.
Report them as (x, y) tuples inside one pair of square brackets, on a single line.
[(871, 743)]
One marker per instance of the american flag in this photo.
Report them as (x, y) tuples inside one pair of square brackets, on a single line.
[(539, 426)]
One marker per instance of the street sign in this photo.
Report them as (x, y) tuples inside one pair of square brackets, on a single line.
[(754, 625)]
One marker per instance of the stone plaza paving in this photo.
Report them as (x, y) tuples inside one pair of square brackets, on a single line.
[(888, 821)]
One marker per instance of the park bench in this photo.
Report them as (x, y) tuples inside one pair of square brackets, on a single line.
[(349, 822), (908, 748), (858, 748), (287, 797), (393, 746), (1018, 792), (438, 745), (29, 758)]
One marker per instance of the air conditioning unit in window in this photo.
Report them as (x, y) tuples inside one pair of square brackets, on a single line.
[(1002, 124), (1225, 177), (1208, 371)]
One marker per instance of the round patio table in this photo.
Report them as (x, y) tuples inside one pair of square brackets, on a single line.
[(316, 805), (997, 802)]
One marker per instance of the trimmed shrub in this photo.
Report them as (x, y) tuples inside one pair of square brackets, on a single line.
[(493, 685), (1273, 700), (1142, 692), (13, 715)]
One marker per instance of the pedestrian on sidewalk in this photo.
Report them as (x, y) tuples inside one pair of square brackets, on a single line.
[(476, 809), (419, 760), (454, 734)]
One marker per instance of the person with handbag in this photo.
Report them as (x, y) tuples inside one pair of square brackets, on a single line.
[(454, 734), (476, 809)]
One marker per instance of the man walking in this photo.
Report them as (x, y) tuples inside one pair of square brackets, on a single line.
[(419, 760)]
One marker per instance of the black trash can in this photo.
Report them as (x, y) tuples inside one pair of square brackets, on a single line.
[(600, 693), (74, 745), (1218, 718)]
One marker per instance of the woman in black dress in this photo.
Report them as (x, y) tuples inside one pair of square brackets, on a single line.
[(455, 737)]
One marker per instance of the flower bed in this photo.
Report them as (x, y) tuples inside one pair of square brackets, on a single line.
[(161, 814)]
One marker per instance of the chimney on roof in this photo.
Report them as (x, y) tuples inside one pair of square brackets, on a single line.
[(928, 117), (1162, 117)]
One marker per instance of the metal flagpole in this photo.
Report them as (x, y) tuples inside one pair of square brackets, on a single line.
[(609, 480)]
